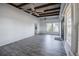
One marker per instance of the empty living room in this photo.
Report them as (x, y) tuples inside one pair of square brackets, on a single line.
[(39, 29)]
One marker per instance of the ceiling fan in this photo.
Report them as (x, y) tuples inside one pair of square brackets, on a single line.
[(34, 11)]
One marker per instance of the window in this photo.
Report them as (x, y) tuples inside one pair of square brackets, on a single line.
[(55, 27), (68, 21), (52, 27), (49, 27)]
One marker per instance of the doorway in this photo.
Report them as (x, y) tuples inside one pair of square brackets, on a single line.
[(35, 25), (62, 29)]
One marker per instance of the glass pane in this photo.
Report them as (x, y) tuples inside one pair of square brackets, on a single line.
[(55, 27), (49, 27), (52, 27)]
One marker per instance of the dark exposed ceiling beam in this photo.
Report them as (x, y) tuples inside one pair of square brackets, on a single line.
[(31, 14), (19, 8), (12, 5), (52, 9), (50, 13), (45, 5), (18, 5), (23, 4), (42, 15), (26, 11)]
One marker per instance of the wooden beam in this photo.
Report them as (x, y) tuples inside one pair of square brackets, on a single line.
[(23, 4), (17, 7), (26, 11), (34, 14), (52, 9), (50, 13), (45, 5), (20, 8), (12, 4)]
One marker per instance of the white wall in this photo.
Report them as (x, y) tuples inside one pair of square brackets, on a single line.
[(51, 19), (42, 26), (15, 24)]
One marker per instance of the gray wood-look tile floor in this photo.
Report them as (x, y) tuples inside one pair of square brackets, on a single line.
[(39, 45)]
